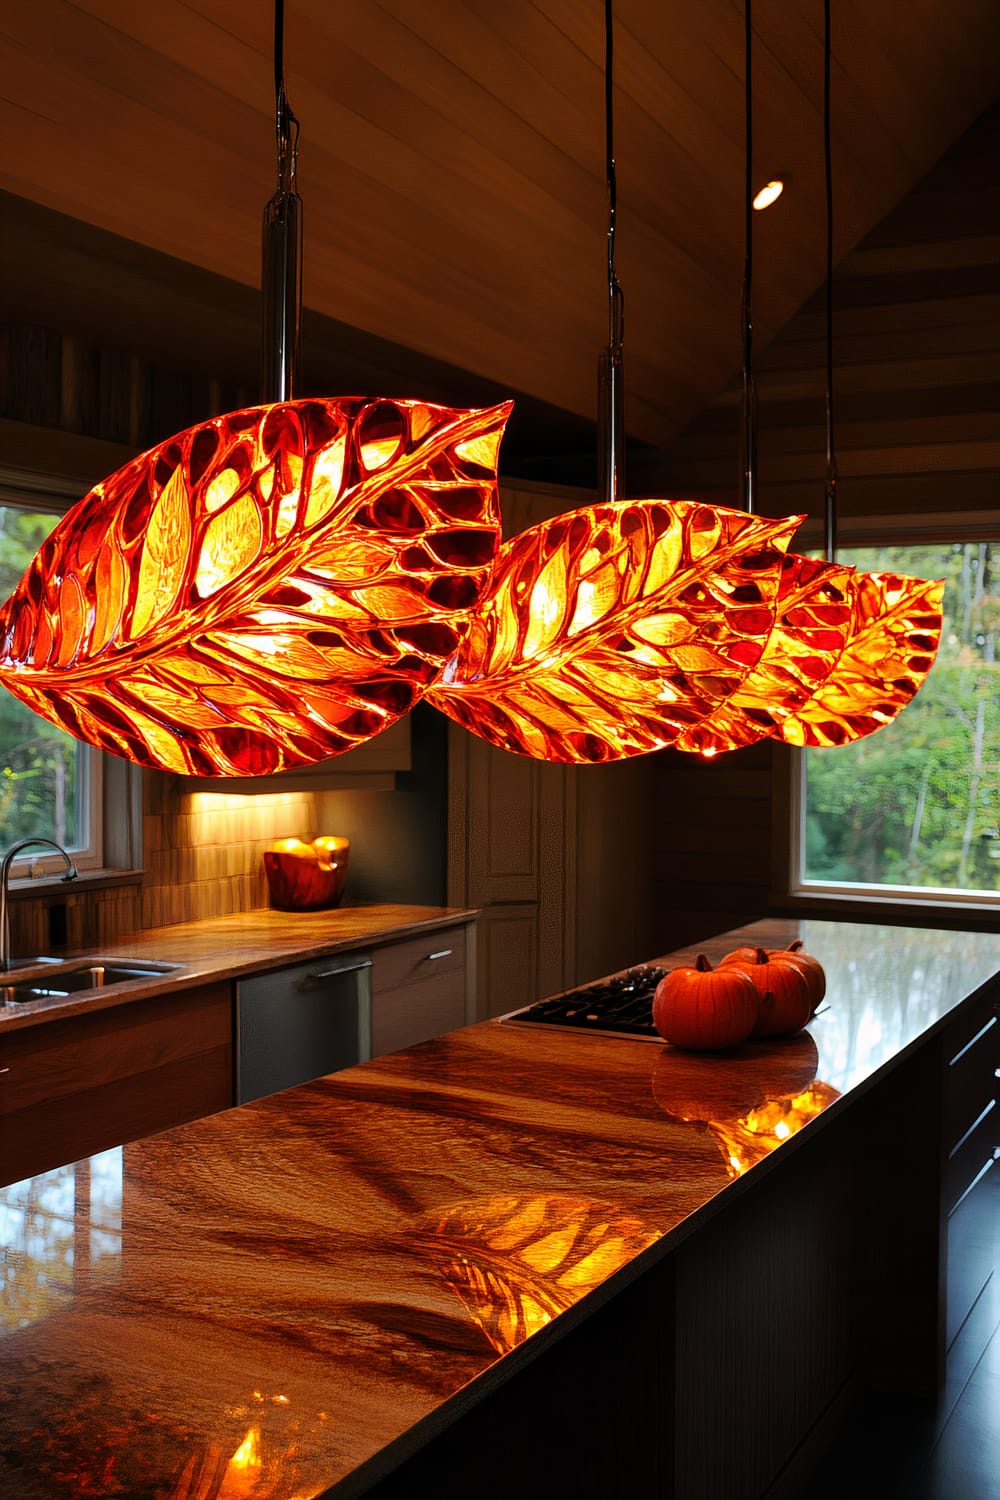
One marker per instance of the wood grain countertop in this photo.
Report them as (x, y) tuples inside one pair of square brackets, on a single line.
[(291, 1297), (228, 947)]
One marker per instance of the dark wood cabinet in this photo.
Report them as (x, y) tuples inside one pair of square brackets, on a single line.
[(971, 1124), (72, 1087), (421, 988)]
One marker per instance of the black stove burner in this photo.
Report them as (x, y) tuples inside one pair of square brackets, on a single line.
[(622, 1006)]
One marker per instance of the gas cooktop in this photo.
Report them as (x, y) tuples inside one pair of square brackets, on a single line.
[(622, 1006)]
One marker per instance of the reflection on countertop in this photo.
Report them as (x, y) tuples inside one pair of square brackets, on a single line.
[(750, 1102), (61, 1233), (882, 991), (301, 1281)]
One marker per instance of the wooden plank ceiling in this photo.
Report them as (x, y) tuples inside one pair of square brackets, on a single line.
[(452, 160), (916, 375)]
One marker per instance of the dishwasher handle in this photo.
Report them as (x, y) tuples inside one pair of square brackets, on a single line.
[(364, 963)]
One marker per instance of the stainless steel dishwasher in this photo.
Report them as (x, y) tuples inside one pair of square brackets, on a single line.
[(300, 1023)]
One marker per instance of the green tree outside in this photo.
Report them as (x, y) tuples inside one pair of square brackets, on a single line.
[(40, 765)]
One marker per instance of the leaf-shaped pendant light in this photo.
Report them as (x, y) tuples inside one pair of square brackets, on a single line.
[(607, 632), (263, 591)]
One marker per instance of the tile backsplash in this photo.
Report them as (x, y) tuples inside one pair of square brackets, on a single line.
[(202, 850)]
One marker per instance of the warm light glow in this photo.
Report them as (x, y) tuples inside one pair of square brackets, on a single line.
[(306, 877), (893, 638), (205, 803), (769, 193), (247, 1454), (280, 584), (618, 629), (243, 1472), (515, 1263), (324, 851), (146, 623), (624, 602), (762, 1130)]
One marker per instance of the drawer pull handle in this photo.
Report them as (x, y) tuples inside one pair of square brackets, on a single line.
[(441, 953), (972, 1042), (343, 969), (972, 1128)]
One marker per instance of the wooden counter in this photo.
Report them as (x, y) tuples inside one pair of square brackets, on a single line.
[(506, 1261), (229, 948)]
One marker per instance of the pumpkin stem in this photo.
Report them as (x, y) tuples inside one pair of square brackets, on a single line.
[(760, 957), (794, 947), (702, 964)]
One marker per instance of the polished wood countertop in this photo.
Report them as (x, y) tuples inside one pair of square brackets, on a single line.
[(229, 947), (291, 1297)]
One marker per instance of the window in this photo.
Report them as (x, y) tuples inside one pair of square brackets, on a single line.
[(913, 811), (50, 783)]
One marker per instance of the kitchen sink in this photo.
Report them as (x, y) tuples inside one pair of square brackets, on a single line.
[(75, 979)]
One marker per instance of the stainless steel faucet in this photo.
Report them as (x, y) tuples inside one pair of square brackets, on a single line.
[(5, 864)]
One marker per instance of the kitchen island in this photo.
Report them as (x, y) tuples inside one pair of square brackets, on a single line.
[(514, 1261)]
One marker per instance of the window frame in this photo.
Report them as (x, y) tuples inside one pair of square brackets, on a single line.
[(789, 887)]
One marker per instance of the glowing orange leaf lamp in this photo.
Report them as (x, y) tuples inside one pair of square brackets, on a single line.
[(620, 629), (276, 586), (264, 590)]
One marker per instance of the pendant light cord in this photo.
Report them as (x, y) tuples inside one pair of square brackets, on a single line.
[(286, 125), (830, 498), (281, 247), (616, 297), (748, 457), (610, 368)]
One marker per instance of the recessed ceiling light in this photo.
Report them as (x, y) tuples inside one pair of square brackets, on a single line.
[(769, 193)]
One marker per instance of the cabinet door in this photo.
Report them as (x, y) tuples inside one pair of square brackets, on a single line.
[(73, 1087), (512, 854), (419, 989)]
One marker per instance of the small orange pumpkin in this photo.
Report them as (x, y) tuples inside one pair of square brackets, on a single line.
[(785, 990), (705, 1009), (746, 958)]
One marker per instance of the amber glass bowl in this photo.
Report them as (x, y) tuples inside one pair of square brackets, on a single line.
[(306, 877)]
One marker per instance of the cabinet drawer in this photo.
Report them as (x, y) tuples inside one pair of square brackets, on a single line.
[(431, 956), (972, 1057), (70, 1088), (418, 1011)]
